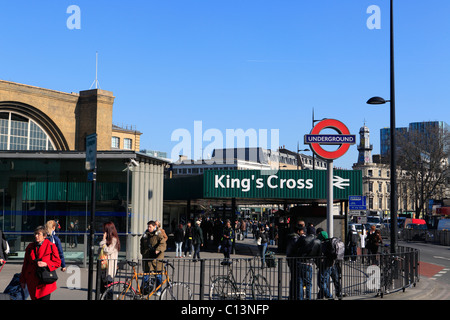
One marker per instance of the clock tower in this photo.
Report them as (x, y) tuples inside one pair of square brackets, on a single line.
[(364, 147)]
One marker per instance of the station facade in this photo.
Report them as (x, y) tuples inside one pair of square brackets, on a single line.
[(42, 169)]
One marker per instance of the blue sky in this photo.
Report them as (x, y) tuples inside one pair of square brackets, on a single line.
[(236, 64)]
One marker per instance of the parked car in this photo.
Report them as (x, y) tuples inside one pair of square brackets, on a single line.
[(419, 232)]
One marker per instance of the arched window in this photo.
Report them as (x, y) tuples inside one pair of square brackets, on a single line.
[(17, 132)]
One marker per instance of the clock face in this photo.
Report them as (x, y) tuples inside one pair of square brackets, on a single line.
[(361, 158), (367, 159)]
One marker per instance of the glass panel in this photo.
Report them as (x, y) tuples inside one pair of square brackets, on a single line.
[(24, 134)]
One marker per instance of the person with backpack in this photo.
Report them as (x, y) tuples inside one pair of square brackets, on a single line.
[(330, 265)]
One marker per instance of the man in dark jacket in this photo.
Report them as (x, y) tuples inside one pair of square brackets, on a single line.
[(352, 242), (227, 241), (153, 246), (188, 238), (197, 240), (300, 248)]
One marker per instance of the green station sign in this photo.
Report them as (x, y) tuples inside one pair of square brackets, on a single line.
[(281, 184)]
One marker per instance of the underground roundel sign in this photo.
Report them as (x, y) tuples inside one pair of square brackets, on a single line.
[(344, 139)]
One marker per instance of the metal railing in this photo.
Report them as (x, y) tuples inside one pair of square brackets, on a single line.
[(354, 276)]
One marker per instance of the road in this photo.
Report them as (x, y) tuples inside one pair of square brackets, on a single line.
[(435, 259), (434, 265)]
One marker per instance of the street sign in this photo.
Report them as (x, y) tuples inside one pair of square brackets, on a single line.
[(343, 138), (91, 152), (357, 203), (283, 184)]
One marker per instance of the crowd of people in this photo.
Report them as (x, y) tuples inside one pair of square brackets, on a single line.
[(310, 245), (203, 233)]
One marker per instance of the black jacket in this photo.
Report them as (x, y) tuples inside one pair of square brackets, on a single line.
[(178, 235)]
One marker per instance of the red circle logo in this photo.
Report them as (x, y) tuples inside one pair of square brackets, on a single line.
[(341, 129)]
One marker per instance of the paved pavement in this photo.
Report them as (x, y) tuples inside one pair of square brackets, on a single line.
[(73, 284)]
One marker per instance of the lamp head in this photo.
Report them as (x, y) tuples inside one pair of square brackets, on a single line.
[(376, 100)]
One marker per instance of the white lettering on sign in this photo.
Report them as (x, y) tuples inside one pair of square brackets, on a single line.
[(273, 182)]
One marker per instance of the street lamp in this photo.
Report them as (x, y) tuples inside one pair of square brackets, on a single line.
[(298, 156), (314, 121), (379, 100)]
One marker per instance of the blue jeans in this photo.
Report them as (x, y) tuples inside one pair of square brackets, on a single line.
[(197, 250), (304, 279), (324, 283), (178, 249), (188, 246), (145, 280)]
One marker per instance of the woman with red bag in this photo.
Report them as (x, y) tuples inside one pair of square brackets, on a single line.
[(40, 253)]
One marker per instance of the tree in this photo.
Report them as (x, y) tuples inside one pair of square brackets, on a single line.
[(423, 156)]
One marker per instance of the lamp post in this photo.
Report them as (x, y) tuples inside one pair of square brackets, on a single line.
[(313, 122), (379, 100), (298, 156)]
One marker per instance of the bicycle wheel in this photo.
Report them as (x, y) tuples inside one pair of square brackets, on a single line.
[(223, 288), (176, 291), (260, 288), (119, 291)]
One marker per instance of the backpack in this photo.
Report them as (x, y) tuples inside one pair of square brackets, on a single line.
[(333, 249)]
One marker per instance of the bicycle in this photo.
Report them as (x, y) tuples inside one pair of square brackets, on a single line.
[(227, 288), (391, 270), (124, 290)]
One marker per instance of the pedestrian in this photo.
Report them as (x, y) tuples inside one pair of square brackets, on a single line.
[(39, 253), (325, 268), (292, 261), (72, 237), (352, 242), (271, 234), (308, 247), (310, 229), (227, 241), (163, 232), (197, 240), (188, 237), (328, 268), (178, 238), (373, 242), (110, 244), (51, 232), (243, 227), (4, 248), (152, 248), (262, 240)]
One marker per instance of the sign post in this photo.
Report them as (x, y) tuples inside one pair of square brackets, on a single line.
[(91, 167), (344, 139)]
